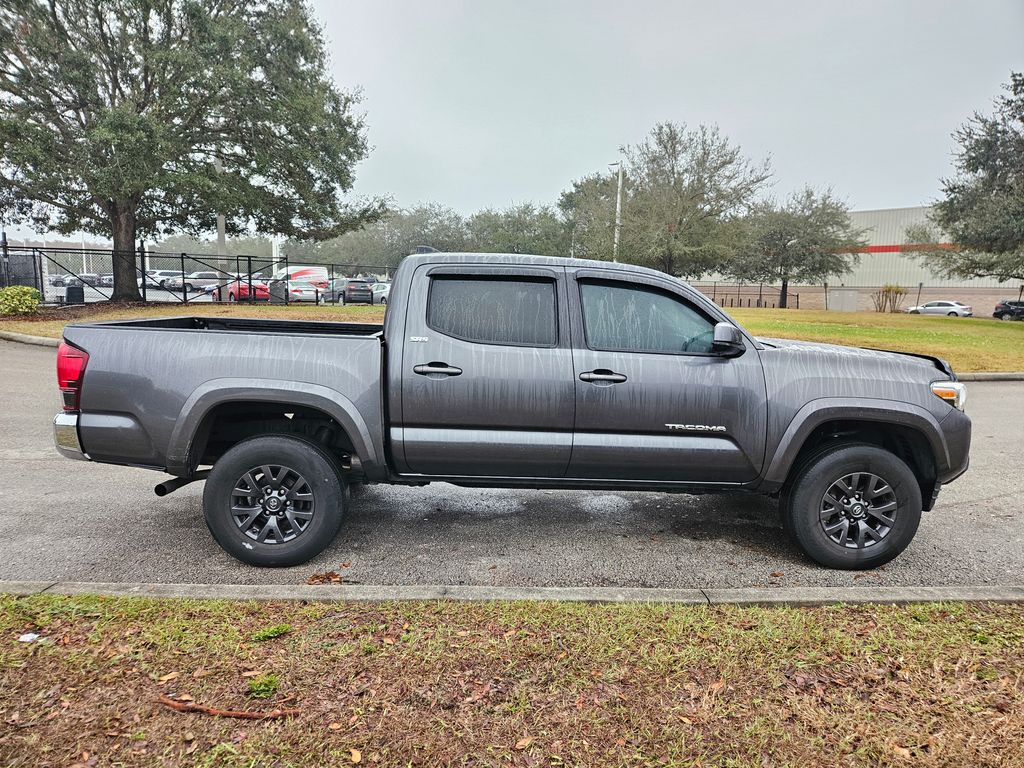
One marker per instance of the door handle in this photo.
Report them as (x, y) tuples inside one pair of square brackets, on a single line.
[(603, 374), (436, 369)]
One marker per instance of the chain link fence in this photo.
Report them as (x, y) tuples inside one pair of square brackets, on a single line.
[(86, 275)]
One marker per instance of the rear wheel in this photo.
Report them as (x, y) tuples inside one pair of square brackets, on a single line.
[(952, 314), (275, 500), (383, 299), (853, 507)]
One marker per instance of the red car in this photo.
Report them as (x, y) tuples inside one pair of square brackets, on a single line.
[(239, 291)]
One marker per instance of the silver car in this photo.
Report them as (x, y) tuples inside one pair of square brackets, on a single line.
[(197, 281), (381, 291), (951, 308)]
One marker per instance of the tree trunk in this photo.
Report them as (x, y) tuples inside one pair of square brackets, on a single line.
[(126, 286), (784, 293)]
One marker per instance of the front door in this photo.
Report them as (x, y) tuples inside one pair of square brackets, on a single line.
[(487, 378), (653, 402)]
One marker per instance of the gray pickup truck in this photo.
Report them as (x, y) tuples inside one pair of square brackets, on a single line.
[(515, 371)]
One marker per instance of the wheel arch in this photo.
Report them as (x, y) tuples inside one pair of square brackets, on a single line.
[(214, 398), (908, 431)]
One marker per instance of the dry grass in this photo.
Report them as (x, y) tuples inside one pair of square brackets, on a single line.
[(968, 344), (511, 684)]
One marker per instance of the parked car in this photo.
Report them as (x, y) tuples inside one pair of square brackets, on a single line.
[(56, 280), (951, 308), (161, 276), (195, 281), (88, 278), (515, 371), (107, 281), (346, 290), (1009, 309), (381, 291), (318, 276), (239, 291), (151, 283), (298, 290)]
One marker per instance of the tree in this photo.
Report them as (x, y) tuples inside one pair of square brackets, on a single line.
[(807, 240), (983, 207), (389, 240), (687, 187), (524, 228), (588, 210), (114, 114)]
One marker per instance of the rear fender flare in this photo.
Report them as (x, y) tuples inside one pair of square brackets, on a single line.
[(216, 392), (817, 412)]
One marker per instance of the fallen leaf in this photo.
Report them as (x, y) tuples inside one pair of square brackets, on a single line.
[(184, 697), (201, 672), (356, 755), (776, 574), (335, 727), (252, 673), (389, 641), (462, 633), (717, 686), (168, 677), (347, 565), (620, 742), (901, 751), (524, 742)]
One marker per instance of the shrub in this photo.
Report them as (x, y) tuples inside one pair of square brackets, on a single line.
[(888, 298), (19, 300)]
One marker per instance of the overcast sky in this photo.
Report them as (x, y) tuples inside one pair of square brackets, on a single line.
[(478, 103)]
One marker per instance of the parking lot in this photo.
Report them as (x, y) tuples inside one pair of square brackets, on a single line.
[(66, 520)]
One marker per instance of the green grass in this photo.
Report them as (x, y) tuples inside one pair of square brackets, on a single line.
[(270, 633), (443, 683), (969, 344)]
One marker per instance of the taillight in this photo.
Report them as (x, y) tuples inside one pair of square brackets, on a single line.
[(71, 363)]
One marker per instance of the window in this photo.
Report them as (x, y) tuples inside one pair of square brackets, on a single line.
[(518, 312), (634, 318)]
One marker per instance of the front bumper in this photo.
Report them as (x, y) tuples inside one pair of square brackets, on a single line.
[(65, 436)]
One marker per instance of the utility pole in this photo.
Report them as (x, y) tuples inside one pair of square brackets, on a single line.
[(222, 245), (618, 212)]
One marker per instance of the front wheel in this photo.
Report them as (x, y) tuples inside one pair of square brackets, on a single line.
[(275, 500), (383, 299), (1006, 316), (853, 507)]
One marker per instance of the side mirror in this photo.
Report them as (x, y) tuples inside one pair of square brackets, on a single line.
[(728, 341)]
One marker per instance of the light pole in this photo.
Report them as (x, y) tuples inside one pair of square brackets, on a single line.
[(618, 212)]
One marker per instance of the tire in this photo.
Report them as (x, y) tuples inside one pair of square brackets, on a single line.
[(914, 312), (952, 314), (287, 457), (812, 521), (1006, 316), (188, 287), (383, 299), (231, 297)]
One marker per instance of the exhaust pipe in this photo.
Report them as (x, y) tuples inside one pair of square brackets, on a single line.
[(169, 486)]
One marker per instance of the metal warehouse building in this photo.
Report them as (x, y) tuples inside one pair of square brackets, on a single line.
[(887, 259)]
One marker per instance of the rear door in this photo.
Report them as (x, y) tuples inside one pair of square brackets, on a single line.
[(487, 377), (652, 400)]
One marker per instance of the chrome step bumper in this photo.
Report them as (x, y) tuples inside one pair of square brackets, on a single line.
[(65, 436)]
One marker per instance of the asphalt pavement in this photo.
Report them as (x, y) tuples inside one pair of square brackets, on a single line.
[(64, 520)]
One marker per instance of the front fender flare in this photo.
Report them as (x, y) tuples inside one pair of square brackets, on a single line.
[(817, 412), (216, 392)]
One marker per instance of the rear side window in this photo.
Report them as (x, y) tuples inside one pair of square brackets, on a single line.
[(632, 318), (516, 312)]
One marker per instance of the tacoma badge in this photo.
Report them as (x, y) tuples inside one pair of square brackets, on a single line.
[(696, 427)]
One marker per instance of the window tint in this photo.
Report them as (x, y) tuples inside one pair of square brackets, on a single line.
[(494, 311), (633, 318)]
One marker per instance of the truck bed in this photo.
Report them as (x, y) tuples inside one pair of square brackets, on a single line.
[(247, 325), (147, 381)]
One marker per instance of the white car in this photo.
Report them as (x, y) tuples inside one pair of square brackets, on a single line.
[(951, 308), (381, 292)]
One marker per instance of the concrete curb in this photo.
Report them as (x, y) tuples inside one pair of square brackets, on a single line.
[(365, 593), (991, 376), (23, 338)]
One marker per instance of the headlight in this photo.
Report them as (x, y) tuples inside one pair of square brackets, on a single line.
[(953, 392)]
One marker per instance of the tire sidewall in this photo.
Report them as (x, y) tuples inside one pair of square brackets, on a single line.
[(306, 458), (803, 503)]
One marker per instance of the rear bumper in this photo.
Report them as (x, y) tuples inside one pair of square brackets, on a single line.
[(65, 436)]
